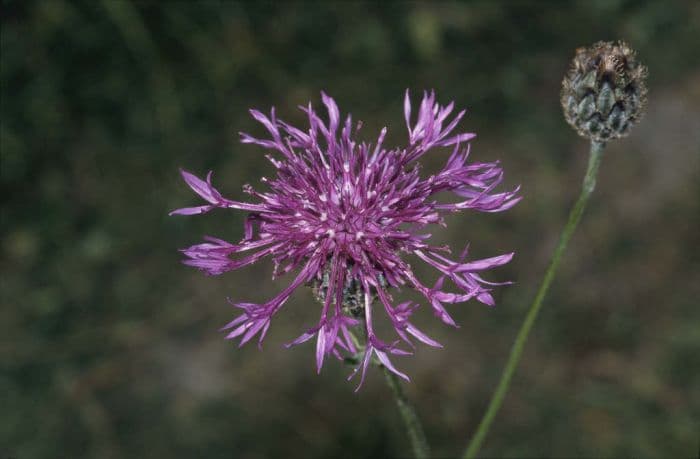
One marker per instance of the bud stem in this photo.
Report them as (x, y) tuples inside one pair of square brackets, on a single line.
[(589, 183)]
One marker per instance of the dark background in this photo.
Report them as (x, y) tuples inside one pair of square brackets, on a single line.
[(109, 347)]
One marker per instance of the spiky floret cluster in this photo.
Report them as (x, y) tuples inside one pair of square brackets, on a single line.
[(604, 92), (342, 213)]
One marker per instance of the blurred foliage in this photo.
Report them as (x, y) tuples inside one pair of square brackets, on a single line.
[(109, 346)]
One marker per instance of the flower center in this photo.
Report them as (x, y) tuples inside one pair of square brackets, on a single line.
[(353, 299)]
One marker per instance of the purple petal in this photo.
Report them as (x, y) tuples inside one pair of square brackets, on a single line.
[(486, 263), (253, 330), (320, 349), (486, 298), (387, 363), (234, 322), (304, 337), (191, 210), (407, 111), (333, 112), (199, 186), (420, 336)]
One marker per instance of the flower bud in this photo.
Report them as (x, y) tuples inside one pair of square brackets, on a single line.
[(604, 92)]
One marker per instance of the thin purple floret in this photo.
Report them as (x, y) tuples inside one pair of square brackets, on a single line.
[(344, 212)]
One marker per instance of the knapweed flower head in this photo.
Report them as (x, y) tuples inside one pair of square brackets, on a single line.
[(343, 216)]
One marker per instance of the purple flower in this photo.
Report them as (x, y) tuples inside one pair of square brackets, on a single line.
[(341, 213)]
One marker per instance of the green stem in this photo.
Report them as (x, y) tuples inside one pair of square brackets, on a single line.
[(414, 428), (410, 419), (517, 349)]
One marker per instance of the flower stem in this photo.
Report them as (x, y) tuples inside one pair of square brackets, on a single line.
[(414, 428), (589, 182), (410, 419)]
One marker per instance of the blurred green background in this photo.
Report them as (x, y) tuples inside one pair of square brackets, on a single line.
[(110, 346)]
